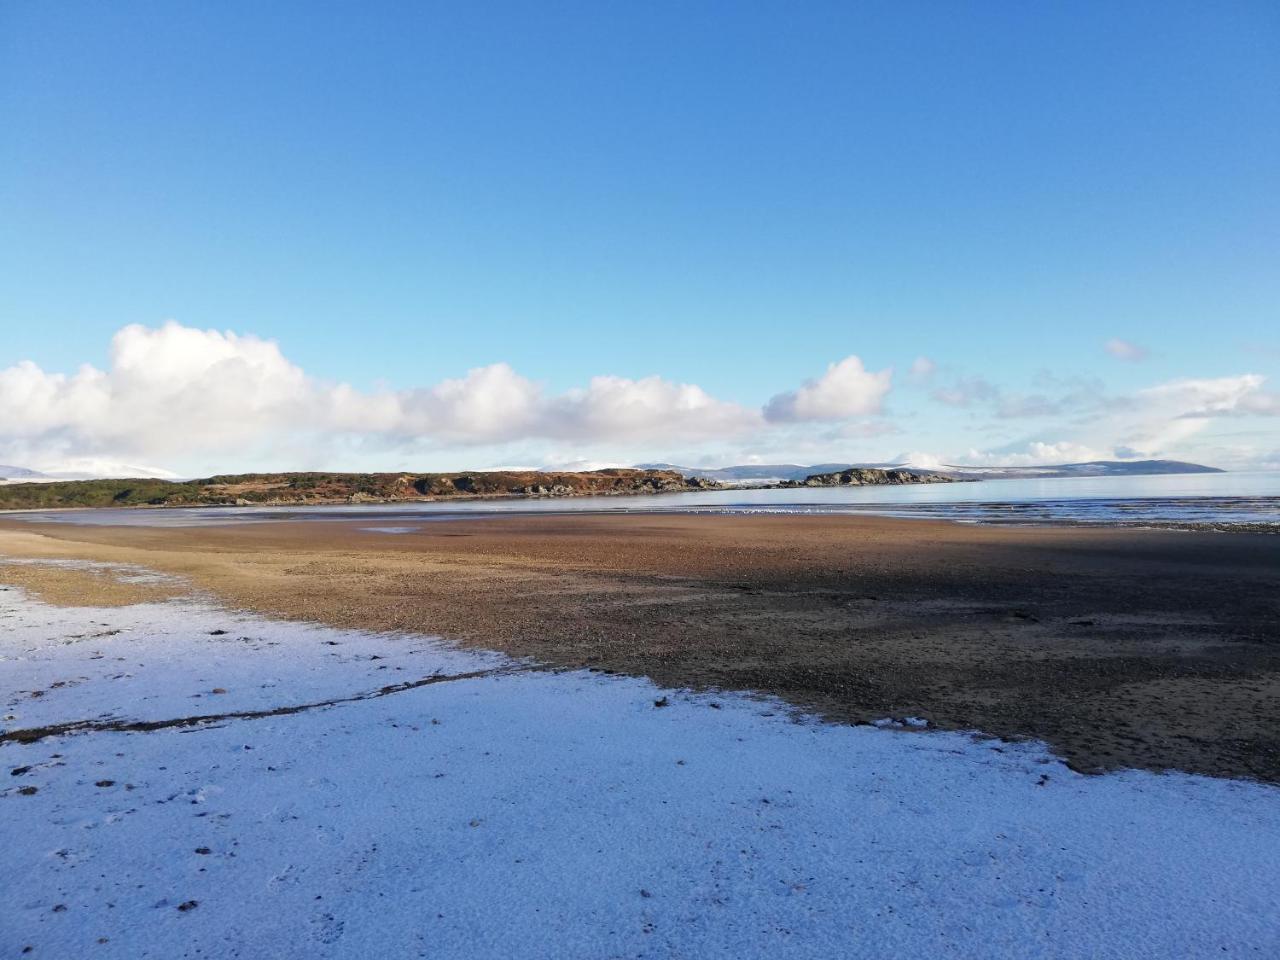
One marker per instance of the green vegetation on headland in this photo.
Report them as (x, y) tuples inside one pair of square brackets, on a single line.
[(298, 488), (279, 489)]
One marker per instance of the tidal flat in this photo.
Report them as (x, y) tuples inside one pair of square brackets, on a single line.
[(1119, 648)]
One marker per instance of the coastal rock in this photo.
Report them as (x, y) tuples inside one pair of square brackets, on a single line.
[(868, 476)]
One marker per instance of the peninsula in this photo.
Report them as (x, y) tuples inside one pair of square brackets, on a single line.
[(286, 489)]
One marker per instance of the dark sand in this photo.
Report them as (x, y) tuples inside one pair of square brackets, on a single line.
[(1121, 648)]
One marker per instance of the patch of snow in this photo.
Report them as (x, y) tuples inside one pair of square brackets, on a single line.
[(531, 813), (123, 572)]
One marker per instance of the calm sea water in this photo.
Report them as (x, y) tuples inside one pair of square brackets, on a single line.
[(1210, 499)]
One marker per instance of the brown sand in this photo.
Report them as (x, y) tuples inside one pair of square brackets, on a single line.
[(1152, 649)]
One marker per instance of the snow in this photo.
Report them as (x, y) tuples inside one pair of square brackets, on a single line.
[(530, 813)]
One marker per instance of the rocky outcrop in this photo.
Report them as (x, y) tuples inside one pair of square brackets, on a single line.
[(867, 477), (613, 482)]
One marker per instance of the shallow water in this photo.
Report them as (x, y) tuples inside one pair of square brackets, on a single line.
[(1212, 499)]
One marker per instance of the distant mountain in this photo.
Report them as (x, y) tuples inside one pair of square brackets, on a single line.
[(750, 472), (772, 472), (19, 473), (1092, 468)]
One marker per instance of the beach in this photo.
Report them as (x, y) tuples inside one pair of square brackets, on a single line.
[(637, 736), (639, 482), (1118, 648), (189, 780)]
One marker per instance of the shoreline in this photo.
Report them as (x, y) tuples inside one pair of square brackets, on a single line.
[(1188, 526), (1118, 647)]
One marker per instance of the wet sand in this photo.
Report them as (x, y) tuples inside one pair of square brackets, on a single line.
[(1120, 648)]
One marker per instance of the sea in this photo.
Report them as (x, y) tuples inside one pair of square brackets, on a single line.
[(1215, 501)]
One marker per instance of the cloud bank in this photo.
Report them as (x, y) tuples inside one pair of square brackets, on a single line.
[(177, 399), (1156, 422), (178, 394)]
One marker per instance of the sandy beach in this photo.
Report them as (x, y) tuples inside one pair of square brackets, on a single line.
[(1119, 648)]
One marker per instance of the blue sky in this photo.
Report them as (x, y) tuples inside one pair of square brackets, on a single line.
[(727, 196)]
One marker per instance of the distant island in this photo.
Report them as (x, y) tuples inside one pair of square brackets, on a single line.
[(866, 477), (19, 473), (779, 472)]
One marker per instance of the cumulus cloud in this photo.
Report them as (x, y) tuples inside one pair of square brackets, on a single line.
[(179, 394), (618, 408), (489, 403), (847, 389), (178, 398), (1126, 350), (166, 387)]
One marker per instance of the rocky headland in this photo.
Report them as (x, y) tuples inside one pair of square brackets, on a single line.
[(284, 489), (288, 489)]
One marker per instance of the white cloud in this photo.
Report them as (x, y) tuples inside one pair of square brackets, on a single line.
[(1160, 421), (202, 397), (616, 408), (489, 403), (1170, 414), (1034, 453), (1126, 350), (1031, 454), (569, 464), (1218, 397), (847, 389), (167, 389), (197, 401), (921, 460), (77, 468)]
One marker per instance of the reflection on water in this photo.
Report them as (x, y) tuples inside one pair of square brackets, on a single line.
[(1212, 499)]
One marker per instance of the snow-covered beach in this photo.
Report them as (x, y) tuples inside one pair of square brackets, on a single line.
[(519, 812)]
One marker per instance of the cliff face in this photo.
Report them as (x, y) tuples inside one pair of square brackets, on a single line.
[(297, 488), (866, 476)]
